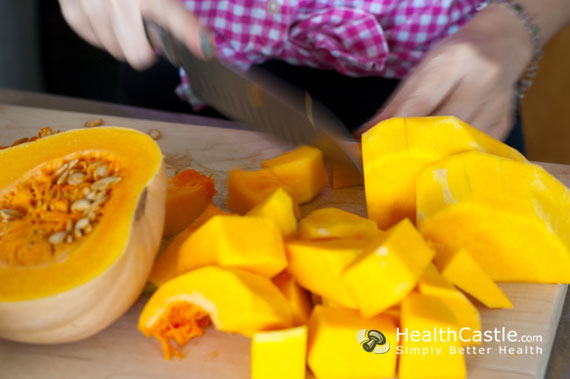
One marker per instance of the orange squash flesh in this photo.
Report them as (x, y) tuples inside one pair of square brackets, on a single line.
[(343, 177), (164, 267), (180, 323), (246, 189), (188, 194), (302, 170), (234, 301)]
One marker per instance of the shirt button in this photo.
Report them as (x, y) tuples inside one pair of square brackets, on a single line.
[(273, 6)]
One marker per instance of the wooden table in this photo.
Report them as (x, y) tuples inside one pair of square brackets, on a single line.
[(121, 351)]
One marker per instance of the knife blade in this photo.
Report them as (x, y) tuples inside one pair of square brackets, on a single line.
[(261, 101)]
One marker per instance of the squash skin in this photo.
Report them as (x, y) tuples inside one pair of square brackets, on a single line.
[(86, 309)]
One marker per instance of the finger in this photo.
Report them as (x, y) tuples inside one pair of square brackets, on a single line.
[(172, 15), (422, 95), (76, 18), (495, 119), (129, 30), (100, 19), (418, 96), (463, 102)]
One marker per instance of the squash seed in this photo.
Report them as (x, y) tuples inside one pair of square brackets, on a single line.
[(57, 238), (69, 239), (77, 233), (101, 172), (10, 214), (80, 205), (63, 177), (61, 170), (81, 223), (93, 123), (76, 178), (73, 163), (154, 134), (88, 229), (103, 184)]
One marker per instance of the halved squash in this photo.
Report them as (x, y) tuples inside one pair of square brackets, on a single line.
[(82, 220)]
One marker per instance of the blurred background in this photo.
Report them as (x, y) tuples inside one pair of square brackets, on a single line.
[(40, 53)]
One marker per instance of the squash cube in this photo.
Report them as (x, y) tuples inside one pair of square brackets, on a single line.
[(280, 207), (188, 194), (298, 298), (343, 177), (250, 243), (460, 268), (279, 354), (511, 216), (395, 151), (317, 265), (388, 270), (433, 284), (334, 223), (302, 170), (425, 316), (246, 189), (336, 351), (164, 267)]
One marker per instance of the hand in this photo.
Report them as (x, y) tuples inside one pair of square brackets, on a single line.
[(470, 74), (117, 26)]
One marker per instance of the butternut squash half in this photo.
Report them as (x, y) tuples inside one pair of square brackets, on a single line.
[(82, 214)]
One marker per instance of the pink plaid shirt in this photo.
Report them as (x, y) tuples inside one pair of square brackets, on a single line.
[(355, 37)]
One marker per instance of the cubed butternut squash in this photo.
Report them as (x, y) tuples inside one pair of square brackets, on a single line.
[(424, 317), (433, 284), (279, 207), (251, 243), (298, 298), (279, 354), (460, 268), (302, 170), (246, 189), (164, 267), (188, 194), (334, 223), (388, 269), (335, 349), (317, 265)]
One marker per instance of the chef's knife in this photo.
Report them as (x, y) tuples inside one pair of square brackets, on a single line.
[(261, 101)]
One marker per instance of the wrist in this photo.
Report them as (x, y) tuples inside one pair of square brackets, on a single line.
[(525, 35)]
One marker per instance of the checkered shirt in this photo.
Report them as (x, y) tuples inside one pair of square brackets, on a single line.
[(354, 37)]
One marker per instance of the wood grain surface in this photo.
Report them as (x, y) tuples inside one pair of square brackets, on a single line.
[(121, 351)]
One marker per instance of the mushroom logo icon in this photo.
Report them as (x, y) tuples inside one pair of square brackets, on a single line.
[(373, 341)]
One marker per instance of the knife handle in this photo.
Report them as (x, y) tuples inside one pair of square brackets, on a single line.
[(165, 42)]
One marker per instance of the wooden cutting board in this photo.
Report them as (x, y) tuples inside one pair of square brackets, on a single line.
[(121, 351)]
